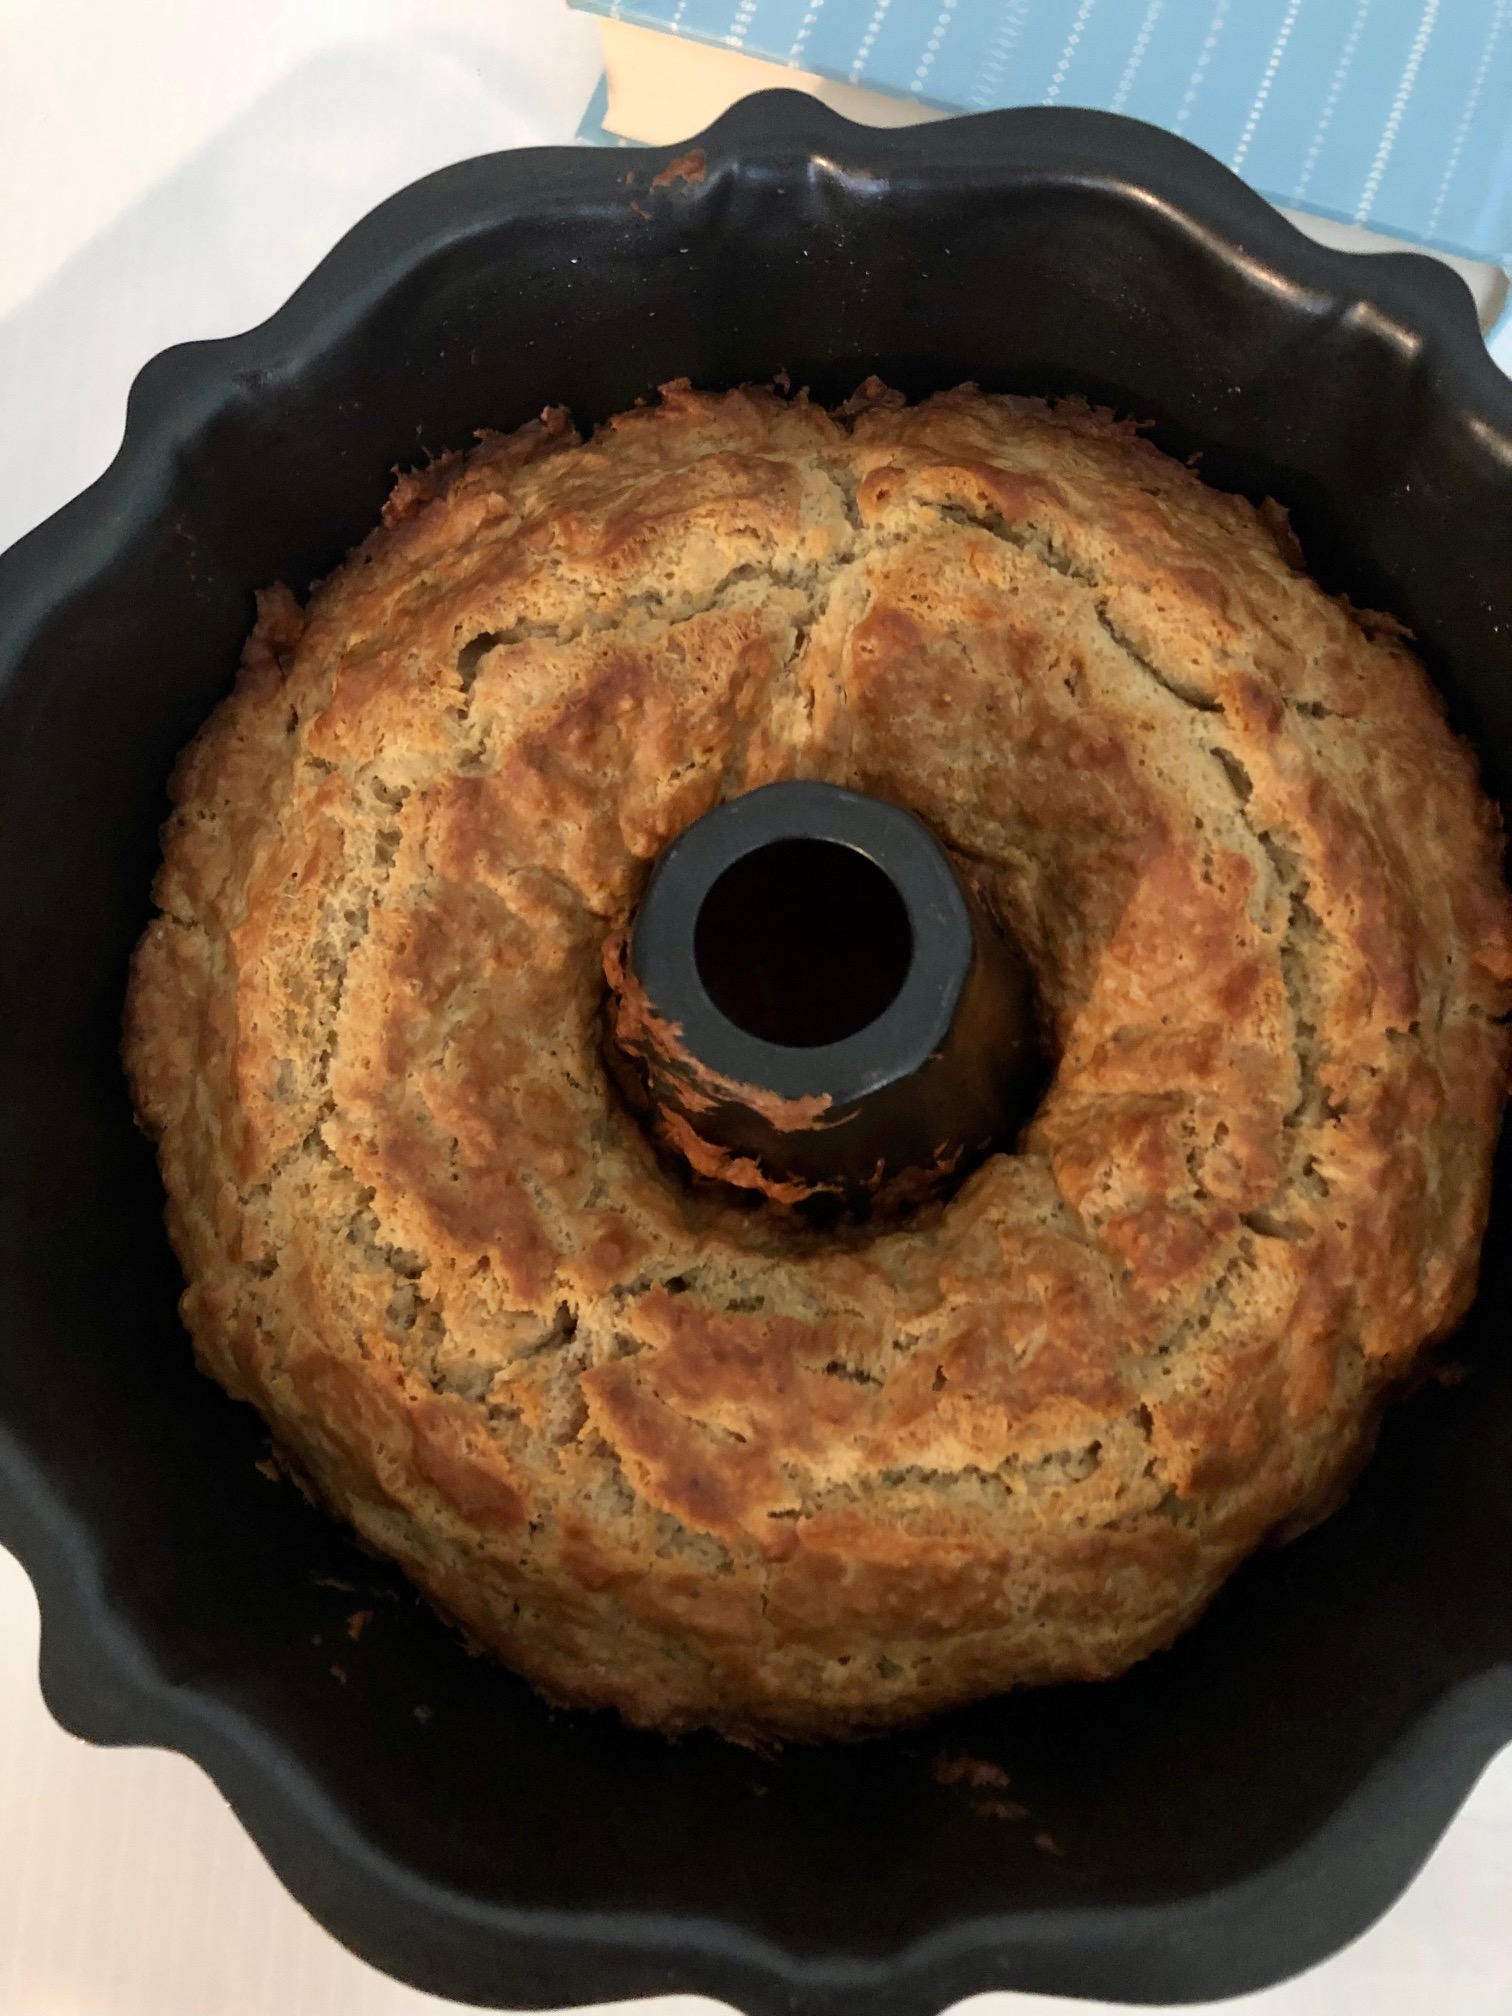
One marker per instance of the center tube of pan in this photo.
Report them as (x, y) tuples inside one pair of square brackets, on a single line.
[(811, 1002)]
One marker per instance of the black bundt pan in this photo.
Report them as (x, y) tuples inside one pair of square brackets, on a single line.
[(1232, 1810)]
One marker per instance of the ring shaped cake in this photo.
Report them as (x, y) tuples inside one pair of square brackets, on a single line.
[(675, 1452)]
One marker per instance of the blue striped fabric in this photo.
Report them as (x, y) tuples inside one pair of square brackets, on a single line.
[(1396, 114)]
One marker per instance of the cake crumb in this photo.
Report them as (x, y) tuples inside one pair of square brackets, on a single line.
[(689, 167), (974, 1771)]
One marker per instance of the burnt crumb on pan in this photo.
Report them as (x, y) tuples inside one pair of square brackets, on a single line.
[(977, 1772), (687, 1459), (691, 167), (999, 1809), (983, 1781), (280, 1467)]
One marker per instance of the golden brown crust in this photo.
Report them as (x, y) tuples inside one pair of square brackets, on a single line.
[(679, 1458)]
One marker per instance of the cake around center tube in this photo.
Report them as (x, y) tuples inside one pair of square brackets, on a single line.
[(811, 1003)]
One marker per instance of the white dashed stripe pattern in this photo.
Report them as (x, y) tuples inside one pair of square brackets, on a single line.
[(932, 46), (1331, 102), (1136, 55), (1398, 108), (805, 29), (1078, 29), (1215, 30), (1472, 104), (879, 15), (740, 27), (1294, 7), (1010, 27)]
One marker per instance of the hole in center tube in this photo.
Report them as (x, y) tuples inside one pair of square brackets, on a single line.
[(803, 942)]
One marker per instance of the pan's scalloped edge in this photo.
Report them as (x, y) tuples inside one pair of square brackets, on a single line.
[(98, 1677)]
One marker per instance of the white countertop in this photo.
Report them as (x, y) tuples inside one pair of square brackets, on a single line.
[(171, 169)]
